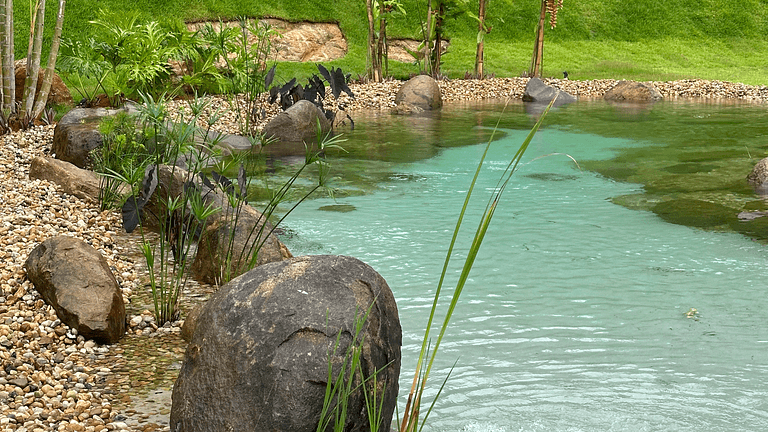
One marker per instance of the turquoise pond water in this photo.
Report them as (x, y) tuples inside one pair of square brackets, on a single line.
[(574, 315)]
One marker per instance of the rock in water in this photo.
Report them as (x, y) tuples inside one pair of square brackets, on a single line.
[(418, 94), (75, 279), (298, 124), (538, 92), (258, 359), (632, 91), (758, 178)]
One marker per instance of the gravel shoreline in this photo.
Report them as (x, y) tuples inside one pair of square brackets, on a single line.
[(53, 380)]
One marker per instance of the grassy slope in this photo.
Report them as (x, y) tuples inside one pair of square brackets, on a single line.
[(640, 39)]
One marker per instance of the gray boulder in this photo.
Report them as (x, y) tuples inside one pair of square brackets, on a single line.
[(76, 281), (297, 124), (632, 91), (77, 133), (418, 94), (258, 359), (538, 92)]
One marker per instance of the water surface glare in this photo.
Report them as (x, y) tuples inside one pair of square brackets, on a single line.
[(574, 315)]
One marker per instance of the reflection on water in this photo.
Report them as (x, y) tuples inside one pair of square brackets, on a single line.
[(577, 314)]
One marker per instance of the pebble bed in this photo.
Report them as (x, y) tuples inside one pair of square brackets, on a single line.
[(51, 378)]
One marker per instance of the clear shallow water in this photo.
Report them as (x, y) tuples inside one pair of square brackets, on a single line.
[(573, 319)]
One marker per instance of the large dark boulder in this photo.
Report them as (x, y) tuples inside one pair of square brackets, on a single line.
[(259, 355), (420, 93), (538, 92), (297, 124), (632, 91), (77, 133), (75, 279)]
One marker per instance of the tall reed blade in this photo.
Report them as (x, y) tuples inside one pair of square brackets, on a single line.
[(421, 373)]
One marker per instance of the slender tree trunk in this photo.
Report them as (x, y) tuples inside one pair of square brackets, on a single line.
[(374, 73), (42, 98), (538, 48), (10, 28), (9, 89), (479, 72), (381, 40), (428, 40), (33, 61), (438, 39), (2, 56)]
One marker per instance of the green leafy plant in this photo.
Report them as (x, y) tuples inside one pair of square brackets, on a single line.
[(178, 217), (135, 157), (125, 57), (84, 68), (122, 155), (233, 260), (245, 51), (412, 420)]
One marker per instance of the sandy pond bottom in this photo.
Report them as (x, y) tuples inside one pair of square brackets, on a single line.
[(578, 315)]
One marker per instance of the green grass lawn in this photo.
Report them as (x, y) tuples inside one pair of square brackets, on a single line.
[(641, 39)]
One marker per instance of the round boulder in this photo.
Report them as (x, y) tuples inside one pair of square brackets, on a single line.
[(420, 93), (262, 346), (227, 244)]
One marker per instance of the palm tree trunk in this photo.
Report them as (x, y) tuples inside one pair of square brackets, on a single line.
[(33, 60), (42, 98), (10, 27)]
